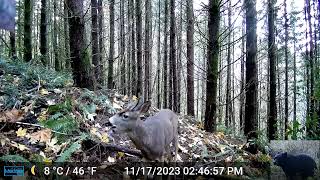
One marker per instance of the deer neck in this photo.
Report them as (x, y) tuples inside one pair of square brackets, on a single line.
[(139, 134)]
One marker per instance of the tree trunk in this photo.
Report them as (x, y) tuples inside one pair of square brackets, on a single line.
[(27, 30), (286, 109), (147, 51), (94, 39), (133, 50), (190, 58), (139, 46), (122, 50), (294, 80), (242, 90), (80, 61), (13, 44), (212, 66), (173, 68), (159, 57), (251, 118), (43, 32), (111, 46), (101, 77), (165, 58), (228, 87), (179, 59), (66, 36), (57, 60), (272, 117)]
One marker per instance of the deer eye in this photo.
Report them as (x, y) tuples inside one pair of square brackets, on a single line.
[(125, 116)]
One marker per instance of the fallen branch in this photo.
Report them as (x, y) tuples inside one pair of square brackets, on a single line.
[(122, 149)]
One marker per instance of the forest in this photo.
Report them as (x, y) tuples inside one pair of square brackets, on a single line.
[(232, 70)]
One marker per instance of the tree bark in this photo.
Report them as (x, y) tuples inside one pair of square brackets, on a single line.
[(100, 67), (286, 93), (80, 61), (251, 118), (43, 32), (159, 57), (122, 50), (272, 117), (66, 36), (133, 50), (147, 51), (228, 87), (57, 59), (94, 39), (212, 66), (27, 30), (165, 57), (173, 60), (13, 54), (190, 58), (242, 90), (111, 46), (139, 46)]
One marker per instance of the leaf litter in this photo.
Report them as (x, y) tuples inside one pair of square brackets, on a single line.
[(49, 117)]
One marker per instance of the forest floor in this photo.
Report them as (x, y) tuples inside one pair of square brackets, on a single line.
[(45, 119)]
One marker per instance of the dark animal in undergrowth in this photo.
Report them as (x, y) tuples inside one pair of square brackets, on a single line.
[(296, 166)]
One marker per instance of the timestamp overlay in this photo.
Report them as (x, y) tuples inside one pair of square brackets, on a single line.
[(183, 169), (123, 169)]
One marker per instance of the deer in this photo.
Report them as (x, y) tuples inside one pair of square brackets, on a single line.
[(151, 136)]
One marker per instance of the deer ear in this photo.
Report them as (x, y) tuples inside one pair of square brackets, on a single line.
[(145, 107)]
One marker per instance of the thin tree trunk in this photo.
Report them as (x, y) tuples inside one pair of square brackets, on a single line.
[(286, 94), (139, 46), (66, 36), (272, 117), (294, 81), (57, 60), (159, 56), (212, 66), (122, 50), (13, 54), (111, 46), (228, 88), (173, 55), (165, 58), (100, 67), (242, 90), (94, 39), (27, 30), (190, 58), (43, 32), (133, 50), (147, 51), (179, 60)]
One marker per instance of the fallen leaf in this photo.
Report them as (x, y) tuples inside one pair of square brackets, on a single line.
[(57, 91), (111, 159), (42, 135), (51, 102), (120, 154), (228, 159), (105, 138), (13, 115), (21, 147), (21, 132), (44, 91), (116, 106), (52, 145)]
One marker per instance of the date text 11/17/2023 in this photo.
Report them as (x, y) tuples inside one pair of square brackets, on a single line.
[(188, 171)]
